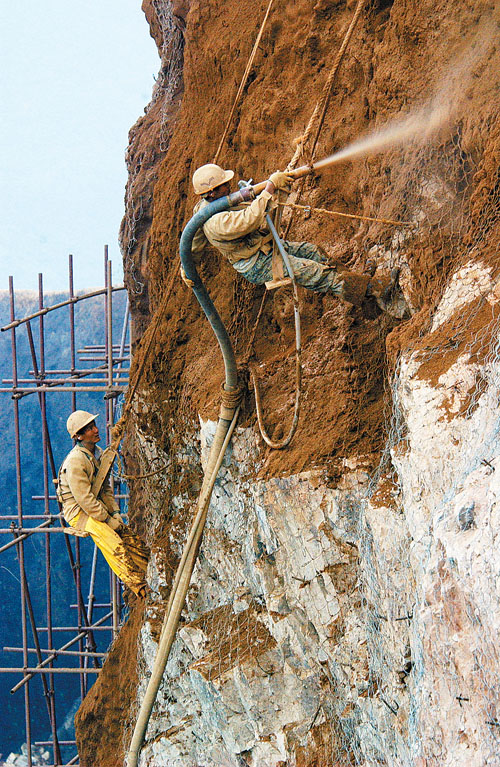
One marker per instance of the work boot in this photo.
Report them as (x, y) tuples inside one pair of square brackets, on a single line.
[(388, 295)]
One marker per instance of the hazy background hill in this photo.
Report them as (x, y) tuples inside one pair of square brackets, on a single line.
[(89, 320)]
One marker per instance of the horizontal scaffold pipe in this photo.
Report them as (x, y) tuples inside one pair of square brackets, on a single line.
[(118, 380), (82, 633), (23, 536), (38, 670), (18, 392), (55, 653), (47, 309)]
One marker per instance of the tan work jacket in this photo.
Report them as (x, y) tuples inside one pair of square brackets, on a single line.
[(237, 233), (75, 488)]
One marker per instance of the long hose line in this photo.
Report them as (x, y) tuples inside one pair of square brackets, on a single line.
[(298, 354), (229, 411), (176, 600)]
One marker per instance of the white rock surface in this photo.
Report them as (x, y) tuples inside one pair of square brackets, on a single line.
[(356, 623)]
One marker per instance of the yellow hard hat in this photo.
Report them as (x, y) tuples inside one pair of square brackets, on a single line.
[(78, 420), (209, 176)]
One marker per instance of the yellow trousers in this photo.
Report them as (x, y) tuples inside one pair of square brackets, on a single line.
[(126, 554)]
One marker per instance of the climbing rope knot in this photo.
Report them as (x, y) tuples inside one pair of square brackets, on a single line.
[(118, 430)]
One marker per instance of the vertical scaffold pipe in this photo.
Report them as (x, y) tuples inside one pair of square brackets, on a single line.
[(225, 426)]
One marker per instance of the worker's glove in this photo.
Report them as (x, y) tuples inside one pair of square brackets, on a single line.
[(186, 279), (281, 180), (115, 522)]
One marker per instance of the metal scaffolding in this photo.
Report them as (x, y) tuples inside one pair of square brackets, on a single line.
[(108, 375)]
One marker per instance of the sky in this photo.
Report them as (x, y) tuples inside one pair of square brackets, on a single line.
[(74, 78)]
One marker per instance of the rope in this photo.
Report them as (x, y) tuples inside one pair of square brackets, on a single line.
[(120, 475), (311, 209), (321, 108), (147, 342), (334, 213), (243, 81), (322, 105)]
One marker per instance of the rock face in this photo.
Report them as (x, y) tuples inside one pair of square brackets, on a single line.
[(350, 625), (345, 606)]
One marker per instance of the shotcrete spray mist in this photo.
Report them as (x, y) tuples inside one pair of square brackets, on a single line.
[(422, 123)]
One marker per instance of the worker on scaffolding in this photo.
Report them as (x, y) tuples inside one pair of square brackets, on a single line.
[(97, 513), (243, 237)]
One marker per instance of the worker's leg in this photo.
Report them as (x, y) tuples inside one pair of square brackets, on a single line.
[(305, 260), (126, 554), (136, 547), (312, 270), (309, 266), (306, 250)]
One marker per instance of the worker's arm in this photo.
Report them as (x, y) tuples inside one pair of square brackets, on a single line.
[(232, 224), (80, 485), (107, 497)]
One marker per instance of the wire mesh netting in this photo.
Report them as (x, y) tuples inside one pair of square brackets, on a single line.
[(357, 625)]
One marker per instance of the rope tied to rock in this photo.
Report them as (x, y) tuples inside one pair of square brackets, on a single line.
[(334, 213), (134, 477), (320, 110), (243, 82)]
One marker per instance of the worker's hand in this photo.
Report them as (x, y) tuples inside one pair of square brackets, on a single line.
[(115, 522), (281, 180), (186, 279)]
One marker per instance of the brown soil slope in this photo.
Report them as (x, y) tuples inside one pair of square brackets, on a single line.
[(401, 54)]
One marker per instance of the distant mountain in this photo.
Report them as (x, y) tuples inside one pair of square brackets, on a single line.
[(89, 322)]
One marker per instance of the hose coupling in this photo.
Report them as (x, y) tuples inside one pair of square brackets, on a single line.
[(231, 398)]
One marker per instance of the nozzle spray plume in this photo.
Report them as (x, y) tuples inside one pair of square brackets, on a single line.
[(437, 113), (417, 126)]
